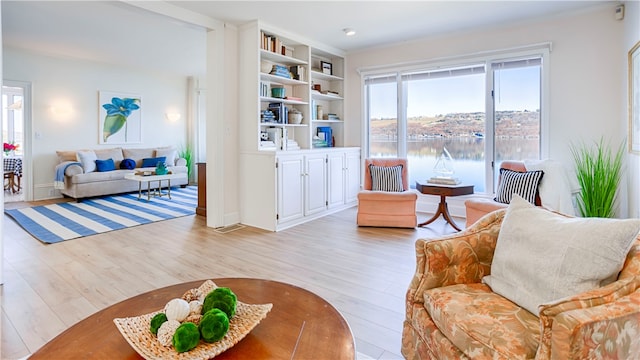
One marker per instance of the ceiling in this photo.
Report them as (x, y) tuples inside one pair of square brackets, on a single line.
[(125, 32), (381, 22)]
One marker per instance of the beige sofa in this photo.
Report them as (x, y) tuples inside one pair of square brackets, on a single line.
[(81, 178)]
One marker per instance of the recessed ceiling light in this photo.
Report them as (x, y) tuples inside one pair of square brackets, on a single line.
[(349, 31)]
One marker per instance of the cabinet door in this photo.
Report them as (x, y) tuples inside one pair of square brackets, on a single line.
[(316, 184), (336, 185), (352, 176), (290, 188)]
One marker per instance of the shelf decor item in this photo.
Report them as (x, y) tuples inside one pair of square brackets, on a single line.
[(327, 67), (278, 92)]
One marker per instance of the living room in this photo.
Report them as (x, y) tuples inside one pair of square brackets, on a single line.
[(587, 94)]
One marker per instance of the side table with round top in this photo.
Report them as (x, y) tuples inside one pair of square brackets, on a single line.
[(301, 325), (443, 191)]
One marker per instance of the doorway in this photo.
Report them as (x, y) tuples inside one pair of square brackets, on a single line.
[(16, 144)]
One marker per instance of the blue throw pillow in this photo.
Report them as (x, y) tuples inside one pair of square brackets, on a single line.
[(152, 162), (128, 164), (105, 165)]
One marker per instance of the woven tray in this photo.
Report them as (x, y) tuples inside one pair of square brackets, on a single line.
[(136, 331)]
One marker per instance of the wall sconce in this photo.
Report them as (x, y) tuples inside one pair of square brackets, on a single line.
[(61, 110), (173, 117)]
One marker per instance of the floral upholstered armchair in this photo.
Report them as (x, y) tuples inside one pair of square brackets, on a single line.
[(452, 314)]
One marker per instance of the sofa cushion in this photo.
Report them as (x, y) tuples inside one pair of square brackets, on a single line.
[(138, 154), (386, 178), (114, 153), (153, 162), (128, 164), (66, 156), (481, 323), (88, 160), (169, 153), (543, 256), (105, 165), (524, 184)]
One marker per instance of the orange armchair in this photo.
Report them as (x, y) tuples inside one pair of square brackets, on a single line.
[(387, 208), (479, 207)]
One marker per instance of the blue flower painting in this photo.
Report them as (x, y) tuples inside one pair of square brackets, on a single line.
[(120, 119)]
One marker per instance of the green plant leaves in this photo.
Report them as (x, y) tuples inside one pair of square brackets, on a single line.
[(112, 124), (599, 172)]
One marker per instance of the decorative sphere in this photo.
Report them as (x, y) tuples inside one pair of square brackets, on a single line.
[(214, 325), (221, 298), (157, 320), (186, 337)]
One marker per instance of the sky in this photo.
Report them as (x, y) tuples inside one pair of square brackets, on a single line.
[(516, 89)]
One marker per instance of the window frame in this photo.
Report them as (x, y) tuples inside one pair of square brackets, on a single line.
[(488, 58)]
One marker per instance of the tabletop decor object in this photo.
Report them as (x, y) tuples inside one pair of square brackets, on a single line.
[(137, 330)]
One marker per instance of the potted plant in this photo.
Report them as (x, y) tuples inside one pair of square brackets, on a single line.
[(599, 172), (186, 153)]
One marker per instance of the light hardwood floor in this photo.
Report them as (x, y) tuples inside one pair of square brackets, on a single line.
[(363, 272)]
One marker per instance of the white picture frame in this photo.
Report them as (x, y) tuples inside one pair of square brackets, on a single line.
[(634, 99)]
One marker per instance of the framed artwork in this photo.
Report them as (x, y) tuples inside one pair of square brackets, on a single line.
[(634, 99), (327, 67), (120, 119)]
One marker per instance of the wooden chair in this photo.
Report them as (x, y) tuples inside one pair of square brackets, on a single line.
[(387, 208)]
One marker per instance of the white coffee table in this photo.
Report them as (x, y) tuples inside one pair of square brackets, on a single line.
[(157, 191)]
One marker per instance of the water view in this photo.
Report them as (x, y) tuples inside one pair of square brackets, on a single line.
[(467, 153)]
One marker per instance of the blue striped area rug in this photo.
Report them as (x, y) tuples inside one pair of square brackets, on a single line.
[(70, 220)]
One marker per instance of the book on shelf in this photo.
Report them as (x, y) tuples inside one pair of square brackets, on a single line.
[(297, 72), (280, 70), (332, 117), (264, 89), (293, 98), (444, 180), (280, 111)]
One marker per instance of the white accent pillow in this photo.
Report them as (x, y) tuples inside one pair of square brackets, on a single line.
[(88, 160), (555, 187), (542, 256), (169, 154)]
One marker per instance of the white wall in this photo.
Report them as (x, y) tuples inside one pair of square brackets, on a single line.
[(74, 84), (631, 37), (585, 73)]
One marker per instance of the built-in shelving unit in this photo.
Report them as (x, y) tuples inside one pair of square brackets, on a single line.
[(308, 172)]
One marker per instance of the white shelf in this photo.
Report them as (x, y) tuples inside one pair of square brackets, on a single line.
[(281, 100), (319, 121), (280, 80), (282, 125), (322, 76), (320, 96), (275, 57)]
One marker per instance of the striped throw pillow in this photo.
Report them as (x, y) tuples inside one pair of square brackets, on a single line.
[(386, 178), (524, 184)]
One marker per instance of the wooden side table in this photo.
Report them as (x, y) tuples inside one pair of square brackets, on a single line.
[(443, 191)]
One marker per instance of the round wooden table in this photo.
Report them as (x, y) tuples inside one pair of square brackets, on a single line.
[(301, 325), (443, 191)]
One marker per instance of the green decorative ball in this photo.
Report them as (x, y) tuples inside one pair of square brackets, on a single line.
[(186, 337), (221, 298), (156, 321), (214, 325)]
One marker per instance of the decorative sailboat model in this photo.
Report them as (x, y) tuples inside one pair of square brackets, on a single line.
[(444, 173)]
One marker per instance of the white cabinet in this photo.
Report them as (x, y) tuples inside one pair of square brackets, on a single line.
[(343, 177), (315, 179), (290, 188)]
